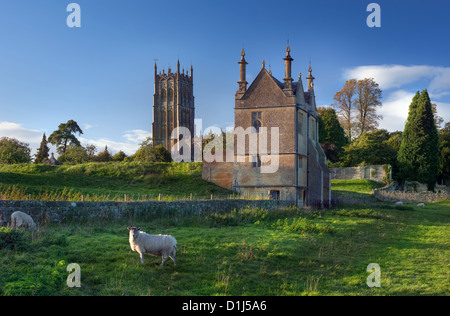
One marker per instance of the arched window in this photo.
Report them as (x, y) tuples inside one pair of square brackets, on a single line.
[(256, 120), (163, 95), (170, 96)]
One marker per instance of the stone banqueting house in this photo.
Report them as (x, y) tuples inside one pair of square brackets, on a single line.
[(302, 175)]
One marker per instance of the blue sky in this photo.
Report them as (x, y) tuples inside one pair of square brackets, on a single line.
[(101, 75)]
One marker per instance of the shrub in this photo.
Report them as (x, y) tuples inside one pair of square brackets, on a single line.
[(12, 239)]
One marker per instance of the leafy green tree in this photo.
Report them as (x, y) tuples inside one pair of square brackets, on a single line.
[(120, 156), (13, 151), (149, 153), (370, 148), (418, 157), (65, 136), (43, 150), (74, 155)]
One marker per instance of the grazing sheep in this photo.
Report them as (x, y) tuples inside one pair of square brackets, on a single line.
[(399, 203), (157, 245), (421, 205), (20, 219)]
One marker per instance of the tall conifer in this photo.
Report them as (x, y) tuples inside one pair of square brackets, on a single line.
[(418, 156), (42, 152)]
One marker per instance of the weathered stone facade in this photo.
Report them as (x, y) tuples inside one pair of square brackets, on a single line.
[(173, 105), (269, 105)]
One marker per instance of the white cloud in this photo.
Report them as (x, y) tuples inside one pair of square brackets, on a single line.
[(137, 135), (30, 136), (395, 110), (393, 80), (133, 137), (396, 76), (113, 146), (14, 130)]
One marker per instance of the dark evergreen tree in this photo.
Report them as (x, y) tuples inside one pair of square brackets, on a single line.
[(331, 134), (444, 154), (418, 157), (42, 152)]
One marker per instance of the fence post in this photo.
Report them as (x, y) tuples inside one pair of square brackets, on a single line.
[(159, 197)]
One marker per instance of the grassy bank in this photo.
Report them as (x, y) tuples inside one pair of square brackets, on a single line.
[(106, 182)]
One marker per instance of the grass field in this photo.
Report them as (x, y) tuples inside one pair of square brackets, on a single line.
[(245, 252)]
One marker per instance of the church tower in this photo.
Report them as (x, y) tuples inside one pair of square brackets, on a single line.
[(173, 105)]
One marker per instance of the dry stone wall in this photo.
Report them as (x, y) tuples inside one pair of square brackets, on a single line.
[(62, 211), (388, 194)]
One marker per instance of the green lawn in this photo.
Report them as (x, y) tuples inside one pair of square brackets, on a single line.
[(248, 252), (360, 189)]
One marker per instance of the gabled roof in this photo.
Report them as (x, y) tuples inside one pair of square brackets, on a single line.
[(265, 90)]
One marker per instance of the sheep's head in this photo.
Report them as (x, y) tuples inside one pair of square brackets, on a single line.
[(134, 231)]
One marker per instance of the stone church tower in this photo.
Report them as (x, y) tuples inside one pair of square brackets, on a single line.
[(173, 105)]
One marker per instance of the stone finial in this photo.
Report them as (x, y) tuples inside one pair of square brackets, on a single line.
[(263, 64), (310, 79)]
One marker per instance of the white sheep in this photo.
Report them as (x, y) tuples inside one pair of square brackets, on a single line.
[(157, 245), (399, 203), (20, 219), (421, 205)]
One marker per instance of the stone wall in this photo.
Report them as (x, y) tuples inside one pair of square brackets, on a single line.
[(64, 211), (373, 172), (388, 194), (220, 173)]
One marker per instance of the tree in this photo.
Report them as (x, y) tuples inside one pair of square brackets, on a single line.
[(104, 156), (74, 155), (444, 154), (90, 151), (371, 148), (368, 99), (13, 151), (418, 157), (64, 136), (344, 103), (149, 153), (356, 104), (120, 156), (42, 152), (331, 134)]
